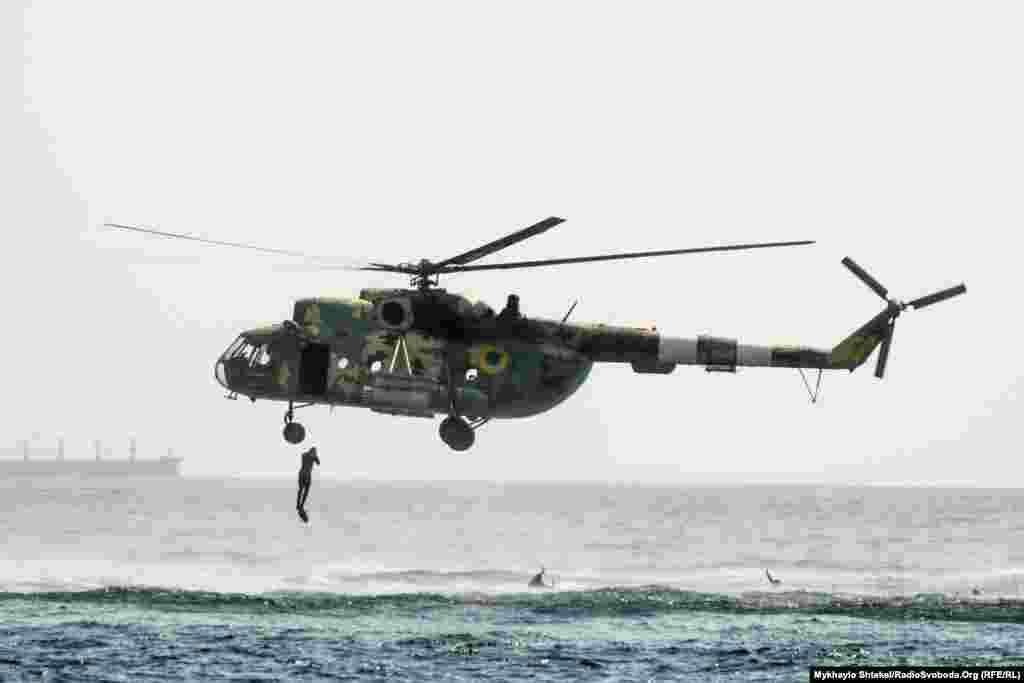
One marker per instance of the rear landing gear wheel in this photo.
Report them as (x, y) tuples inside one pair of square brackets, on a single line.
[(457, 433), (294, 432)]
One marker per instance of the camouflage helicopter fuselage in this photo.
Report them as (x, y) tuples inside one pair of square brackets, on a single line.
[(460, 359), (401, 351)]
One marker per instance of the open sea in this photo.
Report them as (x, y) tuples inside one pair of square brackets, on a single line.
[(218, 579)]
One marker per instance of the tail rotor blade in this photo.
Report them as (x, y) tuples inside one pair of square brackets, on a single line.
[(866, 278), (883, 353), (938, 296)]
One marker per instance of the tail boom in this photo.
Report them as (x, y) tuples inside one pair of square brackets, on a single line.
[(653, 353), (719, 353), (714, 352)]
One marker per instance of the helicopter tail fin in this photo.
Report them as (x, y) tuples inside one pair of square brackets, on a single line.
[(851, 352)]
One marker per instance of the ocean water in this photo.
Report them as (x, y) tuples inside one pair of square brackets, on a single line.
[(217, 579)]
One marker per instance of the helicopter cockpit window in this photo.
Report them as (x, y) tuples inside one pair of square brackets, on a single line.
[(261, 357), (232, 350), (254, 355)]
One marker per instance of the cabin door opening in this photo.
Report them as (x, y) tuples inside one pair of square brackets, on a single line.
[(313, 369)]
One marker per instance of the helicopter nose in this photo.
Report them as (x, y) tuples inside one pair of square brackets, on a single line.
[(221, 372)]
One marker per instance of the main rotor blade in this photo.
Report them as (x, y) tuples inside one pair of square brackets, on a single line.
[(498, 244), (613, 257), (866, 278), (938, 296), (192, 238), (384, 268), (311, 268), (324, 267)]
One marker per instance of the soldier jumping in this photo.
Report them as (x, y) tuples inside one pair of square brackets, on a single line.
[(309, 458)]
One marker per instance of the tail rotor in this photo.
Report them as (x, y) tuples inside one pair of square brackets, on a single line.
[(895, 307)]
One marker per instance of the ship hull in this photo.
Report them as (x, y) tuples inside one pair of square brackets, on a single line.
[(165, 467)]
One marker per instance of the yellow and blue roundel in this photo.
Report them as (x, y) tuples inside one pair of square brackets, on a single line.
[(492, 360)]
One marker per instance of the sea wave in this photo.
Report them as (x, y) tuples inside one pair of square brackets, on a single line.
[(608, 601)]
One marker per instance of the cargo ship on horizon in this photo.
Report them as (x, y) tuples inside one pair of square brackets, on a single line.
[(52, 463)]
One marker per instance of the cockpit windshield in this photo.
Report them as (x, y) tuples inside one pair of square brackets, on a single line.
[(235, 345), (243, 356), (255, 354)]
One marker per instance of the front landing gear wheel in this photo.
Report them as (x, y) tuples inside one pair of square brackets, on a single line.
[(294, 432), (456, 433)]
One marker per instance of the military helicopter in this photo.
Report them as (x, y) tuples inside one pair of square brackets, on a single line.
[(424, 351)]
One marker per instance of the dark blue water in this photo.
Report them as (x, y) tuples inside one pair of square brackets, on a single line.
[(137, 634)]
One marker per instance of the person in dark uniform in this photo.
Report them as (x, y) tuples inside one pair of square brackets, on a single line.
[(309, 458), (538, 580)]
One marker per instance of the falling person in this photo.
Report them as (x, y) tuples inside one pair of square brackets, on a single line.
[(309, 458)]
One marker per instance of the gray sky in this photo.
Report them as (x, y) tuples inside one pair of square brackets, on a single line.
[(890, 132)]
